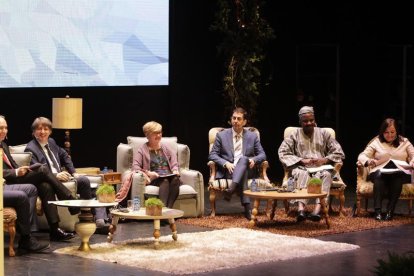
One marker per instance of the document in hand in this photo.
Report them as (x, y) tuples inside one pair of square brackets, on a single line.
[(401, 166), (320, 168)]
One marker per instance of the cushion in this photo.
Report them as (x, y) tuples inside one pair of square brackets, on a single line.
[(17, 148), (22, 158), (186, 191), (137, 142)]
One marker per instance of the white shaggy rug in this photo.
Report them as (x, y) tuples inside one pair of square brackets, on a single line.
[(207, 251)]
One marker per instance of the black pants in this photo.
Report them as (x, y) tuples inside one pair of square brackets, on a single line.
[(390, 185), (169, 189)]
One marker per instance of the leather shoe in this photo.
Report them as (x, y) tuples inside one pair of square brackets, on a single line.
[(31, 244), (247, 211), (388, 216), (74, 210), (60, 235), (315, 217), (301, 216)]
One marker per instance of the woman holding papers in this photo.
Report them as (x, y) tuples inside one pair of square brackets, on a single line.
[(390, 158), (159, 164)]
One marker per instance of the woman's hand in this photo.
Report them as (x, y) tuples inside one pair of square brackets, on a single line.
[(152, 175), (372, 163), (412, 163), (176, 173)]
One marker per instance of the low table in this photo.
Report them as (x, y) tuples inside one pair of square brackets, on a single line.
[(86, 225), (285, 196), (167, 213)]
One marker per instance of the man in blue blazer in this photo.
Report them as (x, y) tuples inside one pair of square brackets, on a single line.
[(236, 151), (45, 150)]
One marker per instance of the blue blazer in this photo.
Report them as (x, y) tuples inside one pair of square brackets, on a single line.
[(61, 155), (223, 149)]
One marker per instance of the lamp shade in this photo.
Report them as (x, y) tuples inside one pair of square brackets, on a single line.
[(67, 113)]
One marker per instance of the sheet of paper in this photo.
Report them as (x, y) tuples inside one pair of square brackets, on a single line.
[(320, 168)]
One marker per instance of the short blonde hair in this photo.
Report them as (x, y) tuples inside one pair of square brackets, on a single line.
[(151, 127)]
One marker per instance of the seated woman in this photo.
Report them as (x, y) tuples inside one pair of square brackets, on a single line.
[(388, 144), (158, 163)]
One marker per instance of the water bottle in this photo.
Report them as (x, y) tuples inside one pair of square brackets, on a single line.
[(137, 204), (105, 170), (290, 184), (253, 185)]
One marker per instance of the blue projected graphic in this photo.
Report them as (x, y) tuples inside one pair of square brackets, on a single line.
[(49, 43)]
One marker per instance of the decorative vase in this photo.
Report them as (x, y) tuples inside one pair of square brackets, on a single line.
[(314, 189), (106, 198), (153, 210)]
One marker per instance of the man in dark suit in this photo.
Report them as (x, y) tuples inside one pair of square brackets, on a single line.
[(236, 151), (45, 150), (48, 186), (18, 197)]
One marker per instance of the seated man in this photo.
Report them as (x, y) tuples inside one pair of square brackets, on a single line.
[(18, 197), (45, 151), (48, 186), (235, 152), (306, 147)]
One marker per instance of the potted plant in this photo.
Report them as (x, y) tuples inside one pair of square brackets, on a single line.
[(153, 206), (106, 193), (314, 186)]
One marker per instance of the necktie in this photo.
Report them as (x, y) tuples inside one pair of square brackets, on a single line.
[(52, 158), (7, 161), (237, 149)]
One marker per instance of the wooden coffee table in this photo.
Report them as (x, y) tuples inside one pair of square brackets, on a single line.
[(285, 196), (167, 213), (86, 225)]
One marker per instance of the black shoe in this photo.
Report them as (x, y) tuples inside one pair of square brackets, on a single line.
[(60, 235), (389, 215), (104, 230), (315, 217), (247, 211), (301, 216), (227, 195), (31, 244), (74, 210), (378, 215)]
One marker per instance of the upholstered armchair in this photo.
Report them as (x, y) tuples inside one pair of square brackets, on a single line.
[(191, 196), (217, 186), (337, 187), (67, 221), (365, 190)]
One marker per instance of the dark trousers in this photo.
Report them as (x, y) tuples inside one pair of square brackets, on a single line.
[(48, 187), (239, 179), (390, 185), (18, 197), (169, 189)]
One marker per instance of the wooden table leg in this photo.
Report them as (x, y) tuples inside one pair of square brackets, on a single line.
[(274, 206), (325, 211), (112, 228), (255, 211), (157, 233), (173, 228)]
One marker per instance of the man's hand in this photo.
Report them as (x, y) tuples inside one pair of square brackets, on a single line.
[(229, 166), (63, 176), (314, 162), (251, 163), (22, 170)]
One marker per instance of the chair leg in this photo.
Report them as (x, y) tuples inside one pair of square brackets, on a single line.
[(341, 203), (358, 205), (213, 202), (286, 203), (410, 206), (12, 234)]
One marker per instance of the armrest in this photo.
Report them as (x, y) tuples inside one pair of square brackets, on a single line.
[(137, 185), (195, 179)]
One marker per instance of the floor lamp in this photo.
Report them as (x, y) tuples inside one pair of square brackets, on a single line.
[(67, 114)]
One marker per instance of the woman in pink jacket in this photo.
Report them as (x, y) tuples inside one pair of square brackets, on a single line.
[(386, 174)]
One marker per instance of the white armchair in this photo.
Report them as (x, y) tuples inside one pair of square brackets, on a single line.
[(191, 196)]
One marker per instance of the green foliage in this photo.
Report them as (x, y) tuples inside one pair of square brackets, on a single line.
[(244, 37), (105, 189), (396, 265), (314, 182), (153, 201)]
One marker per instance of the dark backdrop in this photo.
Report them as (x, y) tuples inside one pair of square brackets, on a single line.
[(302, 57)]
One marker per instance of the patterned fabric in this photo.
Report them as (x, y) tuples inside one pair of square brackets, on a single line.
[(221, 184), (159, 163), (9, 215)]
